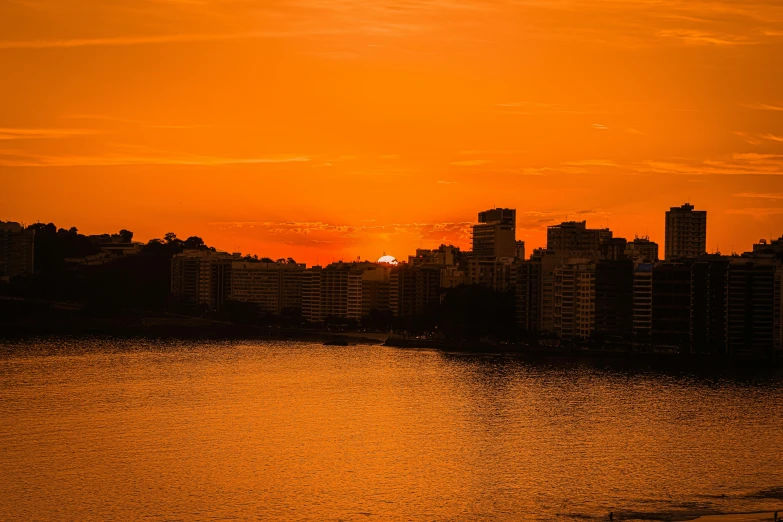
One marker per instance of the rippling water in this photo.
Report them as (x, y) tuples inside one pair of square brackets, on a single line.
[(102, 430)]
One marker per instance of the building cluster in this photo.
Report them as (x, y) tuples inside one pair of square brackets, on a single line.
[(16, 250), (586, 286)]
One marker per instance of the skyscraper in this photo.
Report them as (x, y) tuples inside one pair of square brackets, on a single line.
[(686, 232), (495, 233)]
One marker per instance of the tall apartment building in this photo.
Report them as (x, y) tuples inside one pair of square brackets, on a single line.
[(495, 234), (574, 299), (750, 307), (414, 290), (275, 287), (549, 260), (201, 278), (642, 250), (709, 277), (686, 232), (574, 238), (614, 294), (671, 317), (447, 255), (368, 289), (17, 245), (642, 304), (528, 295), (311, 295), (492, 272)]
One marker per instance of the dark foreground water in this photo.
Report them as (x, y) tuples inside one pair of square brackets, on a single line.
[(122, 430)]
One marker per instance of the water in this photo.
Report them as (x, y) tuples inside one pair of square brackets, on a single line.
[(120, 430)]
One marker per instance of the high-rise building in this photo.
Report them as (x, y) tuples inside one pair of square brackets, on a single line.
[(709, 277), (311, 295), (614, 293), (686, 232), (495, 234), (495, 273), (614, 248), (414, 290), (750, 307), (642, 250), (574, 238), (642, 304), (671, 302), (275, 287), (368, 289), (16, 250), (201, 278), (574, 299), (528, 295), (520, 254)]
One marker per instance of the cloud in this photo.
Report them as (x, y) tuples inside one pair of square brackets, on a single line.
[(19, 159), (759, 213), (447, 182), (598, 126), (760, 195), (470, 163), (312, 233), (765, 107), (126, 40), (33, 134), (593, 162), (772, 137), (697, 37)]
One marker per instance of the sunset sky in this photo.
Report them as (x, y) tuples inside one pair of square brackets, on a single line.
[(327, 129)]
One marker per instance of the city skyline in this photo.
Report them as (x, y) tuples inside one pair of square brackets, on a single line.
[(460, 235)]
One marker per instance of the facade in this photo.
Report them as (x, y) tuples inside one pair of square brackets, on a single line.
[(574, 238), (311, 295), (17, 248), (642, 250), (413, 290), (614, 296), (275, 287), (574, 299), (528, 295), (368, 289), (750, 307), (642, 304), (447, 255), (709, 278), (671, 303), (492, 272), (495, 233), (201, 278), (686, 232)]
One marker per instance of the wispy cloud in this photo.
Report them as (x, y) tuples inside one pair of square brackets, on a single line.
[(697, 37), (759, 213), (765, 107), (593, 162), (599, 126), (470, 163), (447, 182), (760, 195), (32, 134), (126, 40), (772, 137), (20, 159)]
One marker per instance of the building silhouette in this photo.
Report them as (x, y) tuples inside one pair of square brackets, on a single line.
[(495, 233), (17, 247), (686, 232)]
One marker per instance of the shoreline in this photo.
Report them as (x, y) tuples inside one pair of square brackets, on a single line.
[(737, 517)]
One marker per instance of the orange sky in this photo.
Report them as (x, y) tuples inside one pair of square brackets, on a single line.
[(327, 129)]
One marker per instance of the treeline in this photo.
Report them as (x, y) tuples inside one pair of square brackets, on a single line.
[(131, 282)]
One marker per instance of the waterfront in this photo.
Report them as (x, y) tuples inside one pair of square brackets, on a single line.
[(127, 429)]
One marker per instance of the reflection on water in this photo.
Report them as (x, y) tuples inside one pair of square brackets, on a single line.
[(127, 429)]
